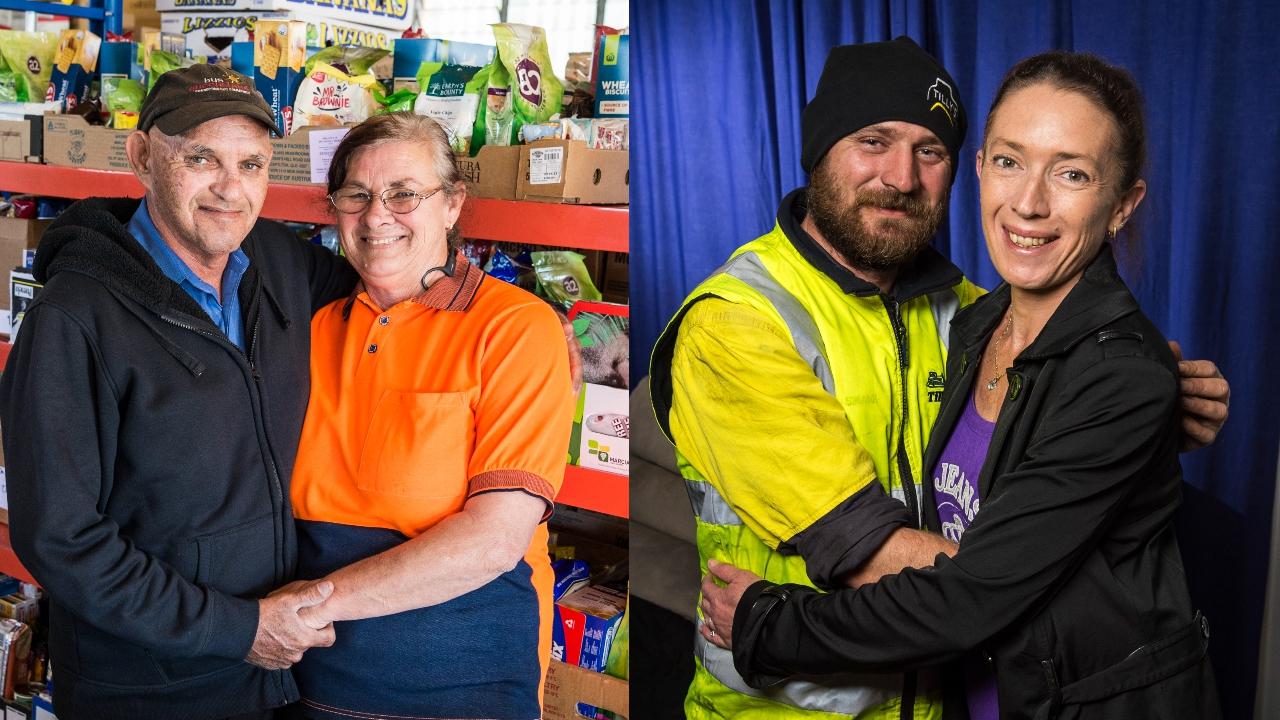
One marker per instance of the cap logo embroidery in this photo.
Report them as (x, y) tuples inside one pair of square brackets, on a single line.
[(943, 99)]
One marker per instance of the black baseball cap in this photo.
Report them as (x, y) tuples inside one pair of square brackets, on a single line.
[(182, 99)]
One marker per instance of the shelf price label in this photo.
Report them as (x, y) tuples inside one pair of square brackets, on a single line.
[(546, 165)]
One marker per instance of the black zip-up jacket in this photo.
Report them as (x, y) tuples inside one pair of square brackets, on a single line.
[(148, 461), (1069, 580)]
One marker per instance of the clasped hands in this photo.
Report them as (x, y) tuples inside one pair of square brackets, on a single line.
[(292, 620)]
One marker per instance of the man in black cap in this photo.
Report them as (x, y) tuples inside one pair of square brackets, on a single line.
[(799, 381), (152, 406)]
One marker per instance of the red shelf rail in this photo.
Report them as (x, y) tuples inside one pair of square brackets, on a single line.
[(595, 490), (9, 563), (589, 227)]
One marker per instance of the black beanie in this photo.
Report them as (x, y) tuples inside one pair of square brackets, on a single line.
[(869, 83)]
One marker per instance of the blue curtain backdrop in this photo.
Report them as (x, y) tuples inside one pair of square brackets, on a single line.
[(719, 85)]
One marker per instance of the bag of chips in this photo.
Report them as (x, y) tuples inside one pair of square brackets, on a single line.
[(8, 83), (337, 88), (499, 114), (536, 92), (450, 95), (563, 277), (30, 56)]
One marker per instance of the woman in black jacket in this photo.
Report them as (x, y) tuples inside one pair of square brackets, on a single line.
[(1067, 597)]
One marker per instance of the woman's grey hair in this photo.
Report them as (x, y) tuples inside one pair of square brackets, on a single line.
[(400, 127)]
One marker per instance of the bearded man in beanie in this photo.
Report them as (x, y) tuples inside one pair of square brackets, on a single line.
[(799, 382), (152, 406)]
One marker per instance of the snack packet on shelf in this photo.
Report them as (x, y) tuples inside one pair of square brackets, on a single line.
[(450, 95), (8, 83), (30, 56), (608, 134), (123, 99), (495, 116), (73, 68), (563, 277), (399, 101), (337, 88), (536, 92), (539, 131)]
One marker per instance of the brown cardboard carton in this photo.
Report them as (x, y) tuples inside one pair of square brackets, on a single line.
[(20, 139), (615, 287), (492, 172), (568, 685), (16, 236), (567, 171), (295, 162), (72, 142)]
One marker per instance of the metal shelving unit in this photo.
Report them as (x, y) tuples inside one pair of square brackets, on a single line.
[(104, 15)]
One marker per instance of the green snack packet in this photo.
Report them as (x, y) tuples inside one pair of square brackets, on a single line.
[(536, 92), (123, 94), (398, 101), (563, 277), (350, 59), (161, 63), (499, 115), (450, 96), (619, 662), (30, 56), (8, 86)]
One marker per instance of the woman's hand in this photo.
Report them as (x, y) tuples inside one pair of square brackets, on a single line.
[(1205, 397), (719, 602)]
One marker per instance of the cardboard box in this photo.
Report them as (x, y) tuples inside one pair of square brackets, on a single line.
[(72, 142), (22, 140), (567, 171), (616, 283), (492, 172), (303, 157), (23, 289), (209, 34), (613, 83), (568, 686), (392, 14), (586, 621), (17, 236)]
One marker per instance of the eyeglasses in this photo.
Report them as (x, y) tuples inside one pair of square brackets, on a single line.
[(397, 200)]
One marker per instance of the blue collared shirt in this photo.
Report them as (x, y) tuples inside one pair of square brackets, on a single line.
[(225, 311)]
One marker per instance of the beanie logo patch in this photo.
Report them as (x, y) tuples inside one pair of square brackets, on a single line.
[(943, 99)]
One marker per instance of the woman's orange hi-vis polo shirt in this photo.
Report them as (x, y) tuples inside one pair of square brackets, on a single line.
[(415, 408)]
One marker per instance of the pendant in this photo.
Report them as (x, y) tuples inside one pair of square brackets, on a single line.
[(991, 384)]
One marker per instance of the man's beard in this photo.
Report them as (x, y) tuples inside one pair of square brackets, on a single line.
[(890, 241)]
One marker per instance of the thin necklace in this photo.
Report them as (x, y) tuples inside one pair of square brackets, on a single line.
[(995, 351)]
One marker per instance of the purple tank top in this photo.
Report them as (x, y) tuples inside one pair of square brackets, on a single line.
[(955, 488)]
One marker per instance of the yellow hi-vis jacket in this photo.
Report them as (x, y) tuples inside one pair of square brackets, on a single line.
[(797, 396)]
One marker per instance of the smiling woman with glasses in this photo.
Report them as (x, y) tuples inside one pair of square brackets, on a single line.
[(433, 447)]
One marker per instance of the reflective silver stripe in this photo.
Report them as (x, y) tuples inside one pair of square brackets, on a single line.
[(709, 506), (897, 494), (944, 304), (845, 693), (748, 268)]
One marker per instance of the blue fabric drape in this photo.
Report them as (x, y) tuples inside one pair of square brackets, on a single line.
[(715, 144)]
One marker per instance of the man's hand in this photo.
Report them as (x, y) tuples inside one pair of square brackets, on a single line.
[(282, 635), (720, 602), (1205, 399)]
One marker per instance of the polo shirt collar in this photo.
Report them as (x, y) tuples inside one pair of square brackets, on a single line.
[(453, 292)]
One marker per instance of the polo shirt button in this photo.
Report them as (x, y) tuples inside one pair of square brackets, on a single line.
[(384, 320), (373, 348)]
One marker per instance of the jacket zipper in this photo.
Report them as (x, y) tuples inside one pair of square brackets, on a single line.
[(249, 354), (904, 467)]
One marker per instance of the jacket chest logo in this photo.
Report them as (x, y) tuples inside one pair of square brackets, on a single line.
[(934, 385)]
